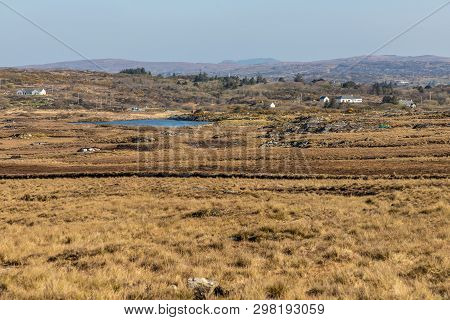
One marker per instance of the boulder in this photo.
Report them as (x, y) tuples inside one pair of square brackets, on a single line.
[(88, 150), (202, 287)]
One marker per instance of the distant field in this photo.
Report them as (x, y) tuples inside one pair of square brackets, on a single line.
[(142, 238), (375, 143)]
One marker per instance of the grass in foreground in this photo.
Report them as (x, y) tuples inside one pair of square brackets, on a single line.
[(142, 238)]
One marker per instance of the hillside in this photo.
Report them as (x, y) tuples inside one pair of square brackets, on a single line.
[(420, 69), (117, 91)]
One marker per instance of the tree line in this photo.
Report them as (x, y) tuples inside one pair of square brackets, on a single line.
[(136, 71)]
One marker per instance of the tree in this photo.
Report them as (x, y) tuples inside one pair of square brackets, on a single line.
[(298, 78), (260, 79), (281, 79), (230, 82), (376, 88), (441, 99), (201, 77), (350, 84), (390, 99), (382, 88)]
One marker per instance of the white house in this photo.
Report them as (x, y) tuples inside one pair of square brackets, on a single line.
[(324, 99), (31, 92), (402, 83), (348, 99), (272, 105), (407, 103)]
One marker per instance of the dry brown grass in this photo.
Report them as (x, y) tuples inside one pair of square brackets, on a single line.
[(227, 146), (142, 238)]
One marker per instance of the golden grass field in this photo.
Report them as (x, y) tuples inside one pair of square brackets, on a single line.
[(142, 238)]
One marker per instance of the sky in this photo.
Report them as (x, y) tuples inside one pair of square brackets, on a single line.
[(216, 30)]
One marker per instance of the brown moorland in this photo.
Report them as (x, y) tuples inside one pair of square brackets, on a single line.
[(344, 203), (142, 238)]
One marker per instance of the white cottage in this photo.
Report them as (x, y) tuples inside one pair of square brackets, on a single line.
[(31, 92), (348, 99), (324, 99)]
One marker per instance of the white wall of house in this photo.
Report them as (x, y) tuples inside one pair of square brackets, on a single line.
[(354, 100), (39, 92)]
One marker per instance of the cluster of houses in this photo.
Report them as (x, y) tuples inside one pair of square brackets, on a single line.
[(353, 99), (342, 99), (31, 92)]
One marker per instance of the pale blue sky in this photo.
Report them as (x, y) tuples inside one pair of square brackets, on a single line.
[(215, 30)]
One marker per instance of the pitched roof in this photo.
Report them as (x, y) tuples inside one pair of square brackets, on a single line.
[(27, 91), (30, 91)]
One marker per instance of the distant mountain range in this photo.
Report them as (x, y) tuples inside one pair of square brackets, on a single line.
[(362, 69)]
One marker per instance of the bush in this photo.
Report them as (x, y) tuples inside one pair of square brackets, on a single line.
[(350, 85), (390, 99), (298, 78)]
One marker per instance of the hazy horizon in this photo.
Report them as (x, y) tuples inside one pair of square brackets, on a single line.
[(218, 62), (205, 32)]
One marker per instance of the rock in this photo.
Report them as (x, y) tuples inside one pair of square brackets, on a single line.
[(286, 144), (421, 125), (305, 125), (202, 287), (22, 136), (173, 287), (220, 292), (88, 150), (299, 144), (168, 133)]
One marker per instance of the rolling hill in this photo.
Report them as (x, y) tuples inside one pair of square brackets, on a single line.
[(417, 69)]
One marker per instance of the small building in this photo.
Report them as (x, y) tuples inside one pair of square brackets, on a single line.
[(349, 99), (402, 83), (31, 92), (324, 99), (135, 109), (272, 105), (407, 103)]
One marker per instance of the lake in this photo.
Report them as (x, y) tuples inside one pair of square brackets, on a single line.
[(150, 123)]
